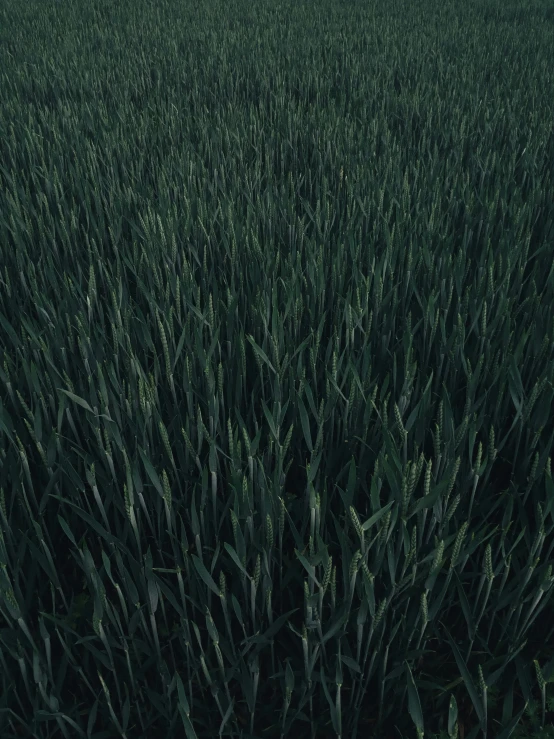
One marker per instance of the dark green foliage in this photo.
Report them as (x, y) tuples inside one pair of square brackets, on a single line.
[(276, 369)]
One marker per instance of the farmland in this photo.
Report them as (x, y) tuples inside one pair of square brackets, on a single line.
[(276, 369)]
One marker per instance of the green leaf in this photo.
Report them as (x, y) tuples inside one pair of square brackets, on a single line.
[(393, 474), (339, 623), (151, 472), (374, 494), (349, 662), (91, 522), (260, 352), (351, 484), (314, 466), (412, 417), (549, 486), (37, 418), (509, 729), (265, 638), (226, 716), (204, 574), (179, 348), (103, 389), (50, 450), (334, 717), (184, 709), (414, 705), (6, 423), (494, 677), (305, 423), (471, 689), (269, 419), (77, 399), (311, 402), (465, 606), (235, 557), (429, 500), (452, 716), (10, 331), (523, 680), (310, 569), (126, 712), (289, 677), (377, 516), (67, 530), (153, 594), (194, 524)]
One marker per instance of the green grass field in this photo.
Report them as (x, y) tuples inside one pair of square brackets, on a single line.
[(276, 369)]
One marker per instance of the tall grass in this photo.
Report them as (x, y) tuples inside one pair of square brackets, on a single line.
[(276, 369)]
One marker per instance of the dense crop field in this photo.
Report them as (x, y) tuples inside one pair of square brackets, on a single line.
[(276, 369)]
